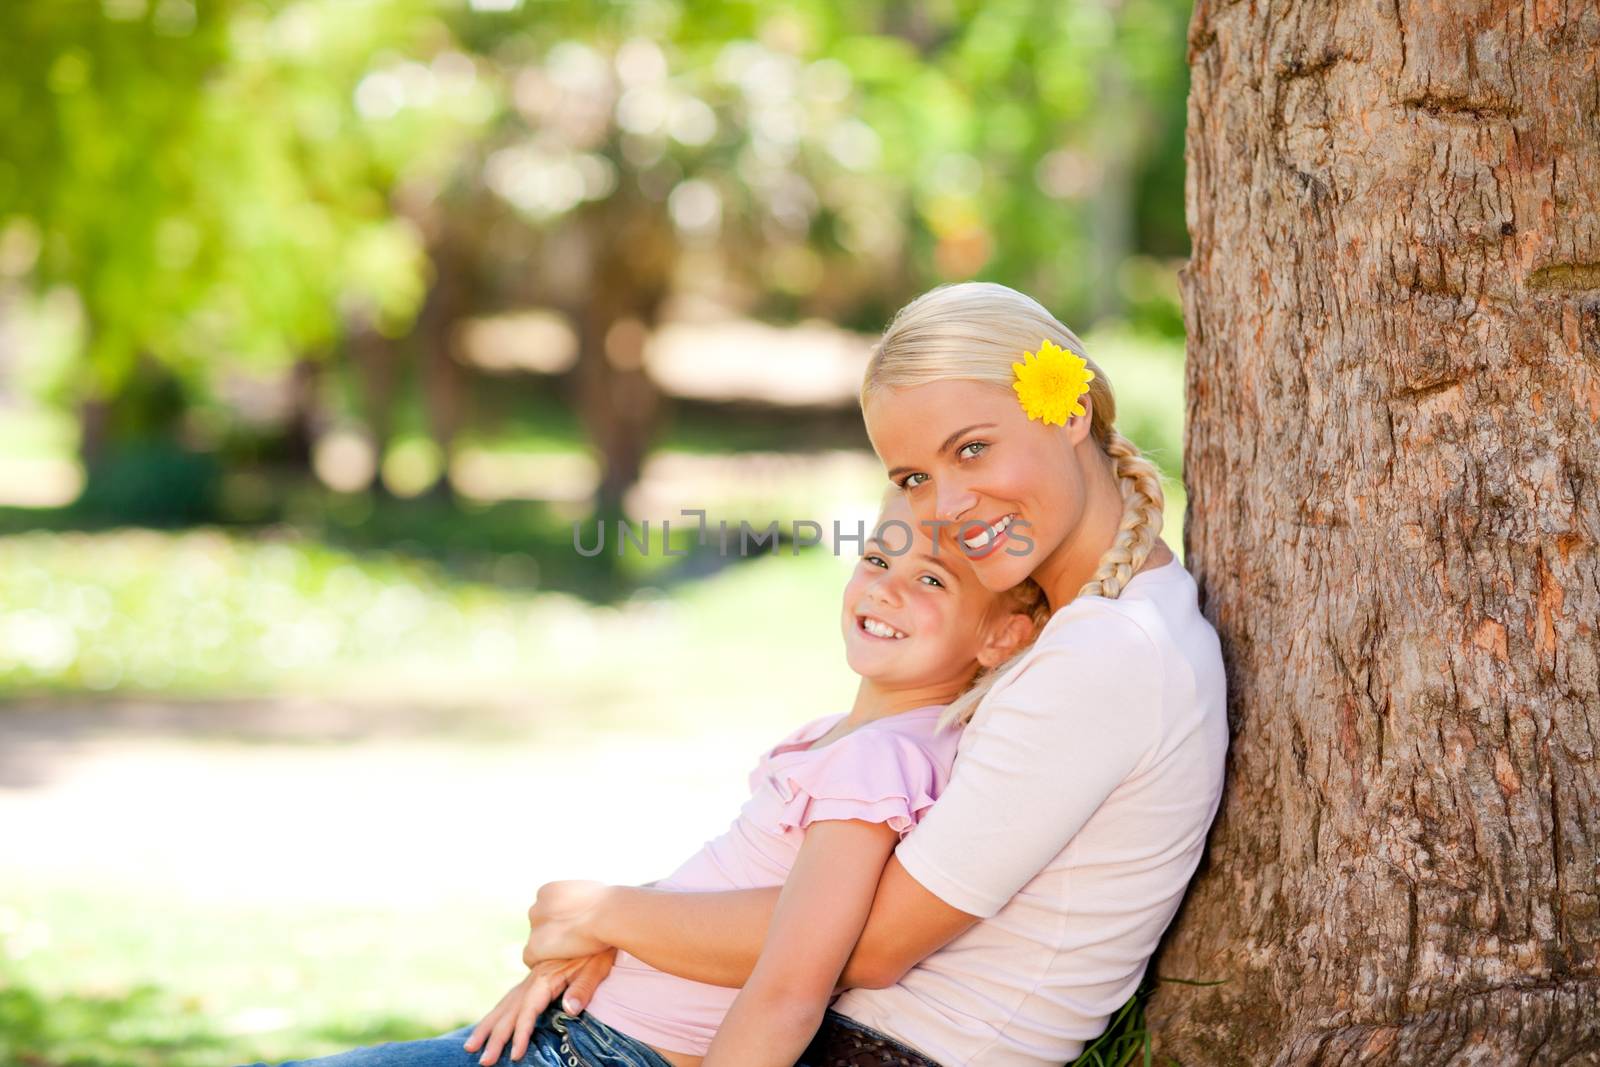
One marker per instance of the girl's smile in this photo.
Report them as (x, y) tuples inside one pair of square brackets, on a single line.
[(916, 620), (877, 628)]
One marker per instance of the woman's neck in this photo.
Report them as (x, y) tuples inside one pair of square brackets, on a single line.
[(1073, 563), (874, 701)]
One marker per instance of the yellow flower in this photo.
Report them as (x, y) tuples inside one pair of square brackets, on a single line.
[(1051, 383)]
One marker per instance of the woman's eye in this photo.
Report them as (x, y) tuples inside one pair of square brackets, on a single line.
[(911, 481), (971, 448)]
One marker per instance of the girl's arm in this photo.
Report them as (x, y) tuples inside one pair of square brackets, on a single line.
[(717, 937), (820, 913)]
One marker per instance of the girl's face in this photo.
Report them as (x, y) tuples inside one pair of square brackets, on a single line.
[(914, 614), (1004, 490)]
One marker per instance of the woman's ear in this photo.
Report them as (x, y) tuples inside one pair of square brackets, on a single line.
[(1079, 425), (1008, 633)]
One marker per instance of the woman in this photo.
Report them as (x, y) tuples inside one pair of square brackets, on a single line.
[(1022, 911)]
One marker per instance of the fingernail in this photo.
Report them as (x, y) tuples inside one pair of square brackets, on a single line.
[(573, 1005)]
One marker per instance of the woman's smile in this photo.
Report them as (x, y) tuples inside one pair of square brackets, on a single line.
[(1005, 489), (987, 538)]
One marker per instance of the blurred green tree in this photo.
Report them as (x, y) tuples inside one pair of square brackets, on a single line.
[(236, 188), (829, 158), (203, 177)]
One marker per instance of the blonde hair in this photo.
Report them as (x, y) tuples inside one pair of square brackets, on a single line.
[(1025, 598), (974, 331)]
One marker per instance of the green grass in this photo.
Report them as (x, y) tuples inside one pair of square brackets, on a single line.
[(210, 612), (205, 611), (270, 983), (113, 987), (1126, 1039)]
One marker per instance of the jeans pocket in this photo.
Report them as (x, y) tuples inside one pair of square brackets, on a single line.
[(588, 1042)]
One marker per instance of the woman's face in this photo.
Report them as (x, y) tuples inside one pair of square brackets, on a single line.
[(1006, 488)]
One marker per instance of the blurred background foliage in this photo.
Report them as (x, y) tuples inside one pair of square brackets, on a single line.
[(445, 276), (322, 322)]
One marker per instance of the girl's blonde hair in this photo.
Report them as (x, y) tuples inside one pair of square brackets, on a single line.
[(974, 331), (1025, 598)]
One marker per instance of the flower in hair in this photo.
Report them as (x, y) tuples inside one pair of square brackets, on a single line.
[(1052, 383)]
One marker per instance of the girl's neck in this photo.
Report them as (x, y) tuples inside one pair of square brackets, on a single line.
[(874, 701)]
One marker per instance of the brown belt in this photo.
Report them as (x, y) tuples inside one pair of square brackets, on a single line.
[(843, 1042)]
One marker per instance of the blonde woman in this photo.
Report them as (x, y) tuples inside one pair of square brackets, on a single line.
[(1022, 911)]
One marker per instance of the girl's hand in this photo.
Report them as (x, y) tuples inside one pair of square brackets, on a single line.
[(519, 1009), (559, 922)]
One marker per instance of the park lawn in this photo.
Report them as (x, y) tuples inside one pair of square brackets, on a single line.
[(206, 612), (127, 977), (210, 612), (116, 973), (122, 972)]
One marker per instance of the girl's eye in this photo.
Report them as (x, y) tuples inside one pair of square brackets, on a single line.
[(978, 445), (875, 561), (931, 580), (911, 481)]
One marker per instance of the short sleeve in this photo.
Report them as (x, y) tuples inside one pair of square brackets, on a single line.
[(1043, 751), (801, 735), (871, 775)]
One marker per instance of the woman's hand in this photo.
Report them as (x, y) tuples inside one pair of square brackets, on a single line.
[(519, 1009), (559, 923)]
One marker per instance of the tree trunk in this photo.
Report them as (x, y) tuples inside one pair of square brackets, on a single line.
[(632, 253), (305, 421), (94, 414), (618, 401), (377, 366), (444, 375), (1393, 446)]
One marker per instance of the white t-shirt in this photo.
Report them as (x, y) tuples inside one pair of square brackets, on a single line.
[(1082, 793)]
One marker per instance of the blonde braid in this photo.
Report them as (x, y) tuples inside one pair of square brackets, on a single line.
[(1143, 508), (1027, 598)]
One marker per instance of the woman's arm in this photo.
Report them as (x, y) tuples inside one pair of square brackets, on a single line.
[(820, 913), (717, 937)]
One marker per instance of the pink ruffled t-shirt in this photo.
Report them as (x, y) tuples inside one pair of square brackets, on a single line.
[(890, 771)]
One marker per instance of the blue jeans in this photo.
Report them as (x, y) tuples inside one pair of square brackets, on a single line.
[(558, 1040)]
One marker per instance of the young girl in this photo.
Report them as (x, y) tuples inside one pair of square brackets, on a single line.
[(1020, 914), (827, 805)]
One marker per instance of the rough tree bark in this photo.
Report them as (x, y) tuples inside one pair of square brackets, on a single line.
[(1393, 458)]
